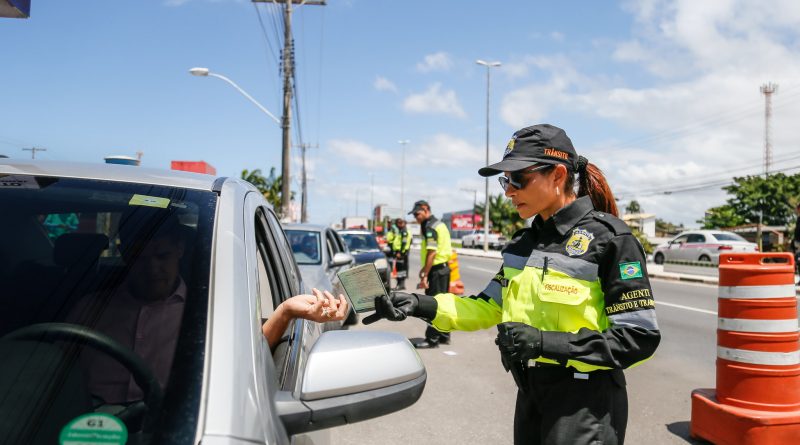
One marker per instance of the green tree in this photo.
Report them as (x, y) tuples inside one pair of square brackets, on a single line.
[(771, 197), (667, 228), (633, 207), (502, 214), (648, 248), (269, 186)]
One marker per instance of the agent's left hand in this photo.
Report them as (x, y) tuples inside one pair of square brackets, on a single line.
[(518, 342)]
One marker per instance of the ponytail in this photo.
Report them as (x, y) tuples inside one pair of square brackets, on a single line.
[(592, 182)]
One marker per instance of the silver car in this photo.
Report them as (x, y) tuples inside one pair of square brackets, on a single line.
[(701, 245), (321, 254), (131, 310)]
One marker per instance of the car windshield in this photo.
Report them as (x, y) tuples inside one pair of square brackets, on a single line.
[(726, 236), (306, 246), (96, 278), (359, 242)]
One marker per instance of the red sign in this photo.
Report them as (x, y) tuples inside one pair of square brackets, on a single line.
[(465, 222)]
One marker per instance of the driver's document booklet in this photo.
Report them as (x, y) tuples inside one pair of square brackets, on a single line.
[(362, 284)]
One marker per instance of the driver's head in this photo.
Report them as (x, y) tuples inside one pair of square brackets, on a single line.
[(401, 223), (152, 244)]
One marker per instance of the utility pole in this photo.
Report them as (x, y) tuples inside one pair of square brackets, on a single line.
[(303, 183), (288, 74), (767, 89), (371, 201), (489, 66), (33, 151), (403, 142)]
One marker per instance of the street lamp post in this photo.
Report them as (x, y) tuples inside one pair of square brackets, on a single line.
[(402, 142), (489, 66), (285, 194)]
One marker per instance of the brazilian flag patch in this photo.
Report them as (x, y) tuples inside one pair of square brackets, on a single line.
[(629, 271)]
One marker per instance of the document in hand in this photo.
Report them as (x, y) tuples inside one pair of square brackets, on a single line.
[(362, 284)]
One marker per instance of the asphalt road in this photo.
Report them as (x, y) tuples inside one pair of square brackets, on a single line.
[(469, 399)]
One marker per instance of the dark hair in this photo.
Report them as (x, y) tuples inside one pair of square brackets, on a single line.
[(592, 182)]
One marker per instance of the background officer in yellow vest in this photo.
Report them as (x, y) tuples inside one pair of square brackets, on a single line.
[(572, 302), (434, 273), (400, 244)]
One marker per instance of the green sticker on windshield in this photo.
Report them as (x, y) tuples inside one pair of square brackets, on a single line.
[(94, 428), (150, 201)]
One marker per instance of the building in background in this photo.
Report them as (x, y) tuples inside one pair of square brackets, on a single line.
[(643, 222), (462, 222)]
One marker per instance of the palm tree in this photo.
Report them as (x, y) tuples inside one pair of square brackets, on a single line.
[(502, 214), (269, 186)]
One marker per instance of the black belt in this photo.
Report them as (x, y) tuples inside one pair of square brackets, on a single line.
[(438, 266)]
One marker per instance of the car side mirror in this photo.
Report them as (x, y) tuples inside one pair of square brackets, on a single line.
[(341, 259), (352, 376)]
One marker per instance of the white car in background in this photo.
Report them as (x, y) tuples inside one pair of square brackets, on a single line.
[(475, 239), (702, 245)]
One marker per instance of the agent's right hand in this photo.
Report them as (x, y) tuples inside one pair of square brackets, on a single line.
[(401, 305), (395, 308)]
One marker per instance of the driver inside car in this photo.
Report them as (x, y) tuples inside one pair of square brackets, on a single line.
[(143, 313)]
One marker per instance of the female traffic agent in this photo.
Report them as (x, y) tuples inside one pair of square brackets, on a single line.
[(572, 301)]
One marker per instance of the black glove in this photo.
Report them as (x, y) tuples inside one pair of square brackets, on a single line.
[(402, 304), (518, 342)]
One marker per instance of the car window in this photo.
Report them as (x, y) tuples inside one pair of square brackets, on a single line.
[(306, 246), (121, 262), (285, 251), (696, 238), (266, 277), (681, 239), (727, 236), (280, 288), (360, 241)]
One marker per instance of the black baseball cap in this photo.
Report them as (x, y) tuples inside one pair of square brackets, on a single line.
[(542, 143), (418, 206)]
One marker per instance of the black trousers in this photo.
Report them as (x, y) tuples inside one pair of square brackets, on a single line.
[(402, 267), (560, 408), (438, 283)]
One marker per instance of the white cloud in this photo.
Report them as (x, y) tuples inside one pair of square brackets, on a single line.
[(434, 101), (441, 149), (557, 36), (356, 153), (384, 84), (435, 62), (696, 114)]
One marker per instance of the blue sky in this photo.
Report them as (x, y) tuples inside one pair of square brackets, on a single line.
[(660, 94)]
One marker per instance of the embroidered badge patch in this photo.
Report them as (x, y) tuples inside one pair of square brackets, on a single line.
[(578, 243), (629, 271), (510, 146)]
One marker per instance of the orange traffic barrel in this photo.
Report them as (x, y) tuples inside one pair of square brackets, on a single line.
[(758, 343), (757, 397)]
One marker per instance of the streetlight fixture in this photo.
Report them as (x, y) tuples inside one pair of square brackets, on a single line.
[(403, 142), (204, 72), (489, 66)]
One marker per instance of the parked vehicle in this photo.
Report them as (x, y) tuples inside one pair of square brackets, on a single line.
[(67, 289), (475, 239), (365, 249), (701, 245), (321, 254)]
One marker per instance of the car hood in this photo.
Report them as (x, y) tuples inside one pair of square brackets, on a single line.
[(367, 256)]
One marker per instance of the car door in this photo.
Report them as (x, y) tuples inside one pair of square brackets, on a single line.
[(675, 250), (694, 243)]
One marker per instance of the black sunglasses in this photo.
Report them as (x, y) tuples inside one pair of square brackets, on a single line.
[(517, 178)]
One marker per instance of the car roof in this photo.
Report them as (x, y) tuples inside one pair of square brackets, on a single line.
[(346, 231), (109, 172), (304, 226)]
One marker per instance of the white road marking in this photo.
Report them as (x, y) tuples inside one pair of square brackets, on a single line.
[(680, 306)]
